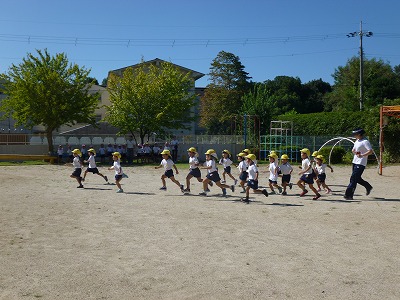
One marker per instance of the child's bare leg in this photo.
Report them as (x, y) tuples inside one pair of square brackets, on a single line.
[(313, 188), (175, 181), (163, 180), (300, 184), (118, 184), (223, 176), (231, 176), (205, 184), (188, 181)]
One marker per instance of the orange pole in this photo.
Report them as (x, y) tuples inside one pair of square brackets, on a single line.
[(380, 140)]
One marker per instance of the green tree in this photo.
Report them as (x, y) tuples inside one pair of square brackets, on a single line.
[(223, 96), (380, 81), (50, 91), (150, 99)]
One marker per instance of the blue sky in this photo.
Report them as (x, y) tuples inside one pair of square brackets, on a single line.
[(306, 39)]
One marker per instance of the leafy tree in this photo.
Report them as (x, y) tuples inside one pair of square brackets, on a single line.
[(380, 81), (150, 99), (48, 90), (223, 96), (92, 80)]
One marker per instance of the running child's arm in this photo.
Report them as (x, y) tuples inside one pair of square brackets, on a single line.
[(176, 169), (158, 166), (330, 167)]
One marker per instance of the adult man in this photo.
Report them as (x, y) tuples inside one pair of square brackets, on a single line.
[(362, 148), (174, 146)]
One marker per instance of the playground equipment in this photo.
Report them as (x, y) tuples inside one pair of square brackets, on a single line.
[(280, 134), (385, 112)]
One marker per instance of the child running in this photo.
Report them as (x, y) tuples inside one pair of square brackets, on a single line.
[(320, 168), (306, 174), (210, 166), (194, 170), (226, 162), (242, 170), (313, 164), (77, 164), (92, 168), (252, 182), (273, 173), (285, 170), (118, 170), (168, 164)]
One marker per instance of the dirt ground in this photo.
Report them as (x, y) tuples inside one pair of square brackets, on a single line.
[(60, 242)]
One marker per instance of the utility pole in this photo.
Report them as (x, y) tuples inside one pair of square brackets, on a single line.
[(361, 33)]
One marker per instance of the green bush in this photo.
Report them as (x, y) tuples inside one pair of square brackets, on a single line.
[(337, 156)]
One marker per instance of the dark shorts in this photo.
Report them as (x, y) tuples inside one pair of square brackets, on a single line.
[(273, 181), (93, 170), (321, 177), (308, 178), (243, 176), (252, 184), (195, 172), (286, 178), (227, 170), (214, 176), (169, 173), (77, 172), (118, 177)]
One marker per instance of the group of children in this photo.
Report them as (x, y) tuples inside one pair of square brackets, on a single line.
[(248, 172)]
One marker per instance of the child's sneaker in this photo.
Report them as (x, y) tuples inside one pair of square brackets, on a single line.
[(329, 191), (279, 189), (284, 194), (163, 188), (186, 191), (303, 193), (232, 188), (319, 189), (79, 187), (245, 200), (242, 191), (120, 191), (182, 188), (207, 190), (265, 192), (83, 179), (224, 192), (223, 181), (290, 185), (203, 193), (236, 181), (369, 191), (317, 197), (105, 177), (273, 192)]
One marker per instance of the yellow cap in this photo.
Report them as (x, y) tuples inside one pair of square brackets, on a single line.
[(77, 151), (241, 154), (251, 156), (284, 156), (306, 151), (117, 154), (210, 151), (273, 155), (92, 150), (226, 151), (246, 150), (321, 157), (192, 149), (315, 153), (167, 152)]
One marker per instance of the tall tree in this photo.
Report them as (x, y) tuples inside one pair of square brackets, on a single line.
[(50, 91), (380, 81), (150, 99), (223, 96)]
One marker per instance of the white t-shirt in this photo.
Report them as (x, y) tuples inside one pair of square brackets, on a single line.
[(305, 163), (211, 163), (320, 168), (193, 162), (242, 166), (361, 146), (76, 162), (225, 162), (252, 170), (273, 172), (117, 167), (92, 162), (167, 164)]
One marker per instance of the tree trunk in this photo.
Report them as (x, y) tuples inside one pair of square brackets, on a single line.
[(49, 135)]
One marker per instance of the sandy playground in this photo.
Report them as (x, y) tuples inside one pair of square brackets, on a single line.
[(60, 242)]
